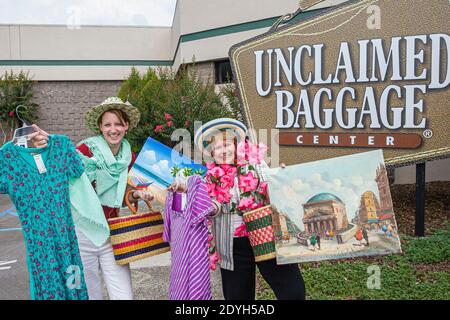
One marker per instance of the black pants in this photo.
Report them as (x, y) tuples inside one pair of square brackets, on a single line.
[(285, 280)]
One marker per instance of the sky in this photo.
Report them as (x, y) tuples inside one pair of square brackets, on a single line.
[(346, 177), (160, 159), (88, 12)]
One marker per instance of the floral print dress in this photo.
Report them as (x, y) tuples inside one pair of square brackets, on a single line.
[(43, 207)]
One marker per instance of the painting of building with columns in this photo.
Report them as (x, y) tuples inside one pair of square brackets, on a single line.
[(332, 209)]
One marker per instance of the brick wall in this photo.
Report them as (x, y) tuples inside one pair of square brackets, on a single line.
[(63, 104)]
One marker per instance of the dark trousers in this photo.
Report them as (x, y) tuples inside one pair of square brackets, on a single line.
[(285, 280)]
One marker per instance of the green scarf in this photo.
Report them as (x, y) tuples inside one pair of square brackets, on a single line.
[(87, 212), (110, 172)]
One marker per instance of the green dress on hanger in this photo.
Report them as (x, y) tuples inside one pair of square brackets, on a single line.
[(43, 206)]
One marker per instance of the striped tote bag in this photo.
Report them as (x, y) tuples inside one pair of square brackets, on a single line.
[(138, 235)]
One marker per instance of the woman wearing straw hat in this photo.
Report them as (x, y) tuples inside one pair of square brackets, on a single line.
[(107, 158), (218, 140)]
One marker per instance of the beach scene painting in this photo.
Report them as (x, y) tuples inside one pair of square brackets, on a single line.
[(156, 166), (333, 209)]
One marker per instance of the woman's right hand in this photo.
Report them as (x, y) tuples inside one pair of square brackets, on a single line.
[(39, 138)]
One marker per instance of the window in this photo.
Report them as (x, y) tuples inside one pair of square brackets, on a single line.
[(223, 71)]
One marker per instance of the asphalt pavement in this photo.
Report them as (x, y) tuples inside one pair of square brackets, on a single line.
[(150, 276)]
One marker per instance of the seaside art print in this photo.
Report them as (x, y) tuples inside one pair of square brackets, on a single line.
[(157, 165), (332, 209)]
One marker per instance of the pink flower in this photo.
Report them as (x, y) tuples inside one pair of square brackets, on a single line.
[(261, 152), (242, 152), (167, 116), (246, 203), (11, 114), (217, 172), (159, 128), (211, 189), (263, 187), (210, 165), (229, 169), (247, 182), (256, 205), (223, 195), (170, 123), (256, 153), (213, 259), (227, 181), (241, 231)]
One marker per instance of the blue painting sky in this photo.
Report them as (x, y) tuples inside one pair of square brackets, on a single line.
[(160, 159), (346, 177)]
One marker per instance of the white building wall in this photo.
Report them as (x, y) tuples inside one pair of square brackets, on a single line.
[(149, 44), (199, 15)]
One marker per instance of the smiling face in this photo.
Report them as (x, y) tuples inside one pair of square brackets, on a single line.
[(113, 125), (223, 149)]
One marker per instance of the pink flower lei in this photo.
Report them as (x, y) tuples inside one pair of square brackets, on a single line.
[(220, 178), (220, 181)]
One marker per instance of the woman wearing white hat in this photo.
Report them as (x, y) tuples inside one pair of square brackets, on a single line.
[(218, 139), (107, 158)]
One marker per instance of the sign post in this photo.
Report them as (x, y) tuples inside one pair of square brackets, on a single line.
[(420, 200)]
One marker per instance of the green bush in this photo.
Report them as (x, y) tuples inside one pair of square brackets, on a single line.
[(169, 101), (15, 90)]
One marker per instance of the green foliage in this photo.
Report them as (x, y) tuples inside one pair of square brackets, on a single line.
[(170, 101), (415, 274), (174, 171), (15, 90), (229, 92), (432, 249)]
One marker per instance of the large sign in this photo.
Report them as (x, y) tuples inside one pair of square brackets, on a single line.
[(366, 74)]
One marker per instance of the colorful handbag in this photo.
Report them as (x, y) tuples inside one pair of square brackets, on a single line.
[(138, 235), (260, 233)]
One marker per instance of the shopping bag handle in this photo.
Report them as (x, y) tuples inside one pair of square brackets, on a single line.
[(135, 206)]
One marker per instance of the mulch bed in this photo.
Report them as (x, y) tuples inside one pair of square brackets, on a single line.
[(437, 206)]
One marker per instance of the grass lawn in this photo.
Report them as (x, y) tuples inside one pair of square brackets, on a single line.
[(420, 272)]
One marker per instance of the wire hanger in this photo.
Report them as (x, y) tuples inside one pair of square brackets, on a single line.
[(21, 135)]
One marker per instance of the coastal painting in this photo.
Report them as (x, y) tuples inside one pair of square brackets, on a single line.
[(332, 209), (156, 166)]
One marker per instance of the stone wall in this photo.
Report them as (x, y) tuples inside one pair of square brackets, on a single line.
[(62, 104)]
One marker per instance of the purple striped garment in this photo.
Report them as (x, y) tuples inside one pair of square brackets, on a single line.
[(187, 233)]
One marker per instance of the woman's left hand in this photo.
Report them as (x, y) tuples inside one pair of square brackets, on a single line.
[(177, 187), (145, 195), (39, 138)]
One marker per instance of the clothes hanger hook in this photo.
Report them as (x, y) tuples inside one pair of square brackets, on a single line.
[(17, 112)]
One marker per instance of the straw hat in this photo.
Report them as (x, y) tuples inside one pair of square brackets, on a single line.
[(204, 133), (96, 112)]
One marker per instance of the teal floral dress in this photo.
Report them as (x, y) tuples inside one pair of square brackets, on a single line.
[(43, 207)]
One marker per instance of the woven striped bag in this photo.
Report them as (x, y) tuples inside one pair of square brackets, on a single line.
[(259, 226), (137, 236)]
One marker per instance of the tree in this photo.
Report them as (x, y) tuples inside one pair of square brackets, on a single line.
[(15, 90), (168, 101)]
